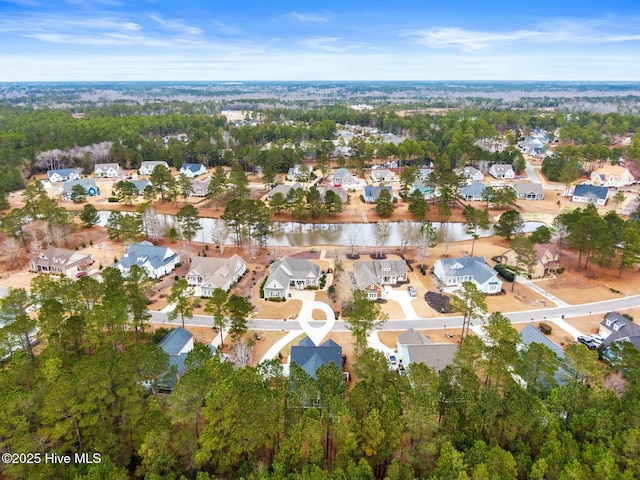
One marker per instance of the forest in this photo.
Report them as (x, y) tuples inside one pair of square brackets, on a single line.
[(502, 410)]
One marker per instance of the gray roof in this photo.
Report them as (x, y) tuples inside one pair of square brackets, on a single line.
[(467, 171), (413, 337), (140, 253), (375, 174), (106, 166), (621, 329), (63, 172), (525, 188), (175, 341), (530, 334), (283, 189), (473, 190), (341, 173), (367, 272), (425, 172), (501, 167), (85, 182), (218, 271), (373, 192), (465, 266), (434, 355), (309, 356), (140, 184), (289, 269), (591, 190)]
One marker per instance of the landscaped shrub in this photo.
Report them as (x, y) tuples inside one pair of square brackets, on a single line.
[(626, 315), (112, 199), (545, 328), (504, 273), (440, 303), (262, 287)]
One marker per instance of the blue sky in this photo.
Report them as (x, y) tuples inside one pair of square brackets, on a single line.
[(67, 40)]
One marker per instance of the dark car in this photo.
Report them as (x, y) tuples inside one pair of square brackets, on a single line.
[(588, 342)]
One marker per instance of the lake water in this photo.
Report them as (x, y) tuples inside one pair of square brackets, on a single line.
[(297, 234)]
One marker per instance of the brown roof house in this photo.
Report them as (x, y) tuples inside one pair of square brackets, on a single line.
[(61, 261), (547, 260), (414, 347)]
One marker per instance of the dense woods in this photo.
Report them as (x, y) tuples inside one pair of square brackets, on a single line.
[(93, 388)]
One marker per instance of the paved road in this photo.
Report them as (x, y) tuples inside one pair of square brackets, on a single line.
[(570, 311)]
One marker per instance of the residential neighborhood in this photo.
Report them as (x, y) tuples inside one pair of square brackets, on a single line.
[(264, 272)]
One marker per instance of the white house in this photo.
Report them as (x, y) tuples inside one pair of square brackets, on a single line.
[(590, 194), (472, 174), (207, 273), (342, 176), (451, 272), (290, 272), (382, 175), (502, 170), (157, 261), (147, 168), (63, 174), (106, 170), (192, 170), (612, 176), (529, 190)]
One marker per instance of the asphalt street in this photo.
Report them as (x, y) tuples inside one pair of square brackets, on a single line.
[(570, 311)]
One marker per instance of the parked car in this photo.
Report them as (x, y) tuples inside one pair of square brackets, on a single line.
[(393, 361), (412, 291), (588, 342)]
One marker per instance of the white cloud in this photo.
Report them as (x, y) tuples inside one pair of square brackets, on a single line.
[(175, 25), (309, 17), (596, 31)]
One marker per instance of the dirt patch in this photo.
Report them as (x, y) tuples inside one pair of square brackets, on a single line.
[(277, 310), (317, 314), (575, 289)]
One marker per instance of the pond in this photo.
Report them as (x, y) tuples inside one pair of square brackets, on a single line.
[(295, 234)]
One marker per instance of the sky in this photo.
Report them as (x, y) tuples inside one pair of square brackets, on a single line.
[(280, 40)]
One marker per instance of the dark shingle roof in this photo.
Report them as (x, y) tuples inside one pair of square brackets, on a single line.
[(175, 341), (309, 357), (591, 190)]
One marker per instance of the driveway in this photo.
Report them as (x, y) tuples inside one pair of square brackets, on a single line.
[(404, 299)]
